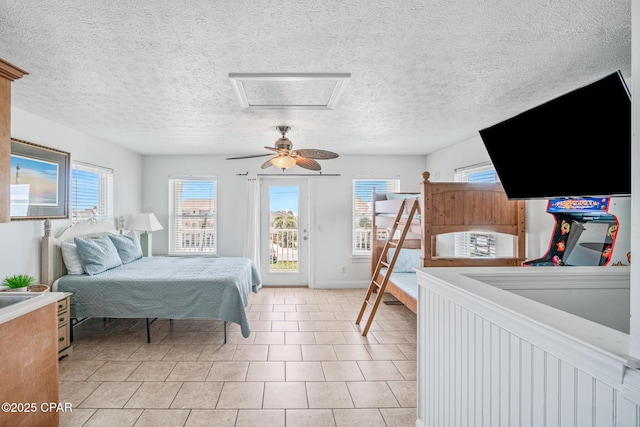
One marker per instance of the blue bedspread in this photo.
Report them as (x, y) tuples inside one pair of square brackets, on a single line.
[(167, 287)]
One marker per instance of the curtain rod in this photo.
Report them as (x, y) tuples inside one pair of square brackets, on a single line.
[(298, 174)]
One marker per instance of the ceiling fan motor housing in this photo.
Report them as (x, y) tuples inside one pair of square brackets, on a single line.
[(284, 144)]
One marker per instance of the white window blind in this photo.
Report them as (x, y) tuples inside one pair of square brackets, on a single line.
[(91, 192), (192, 215), (363, 210), (474, 244)]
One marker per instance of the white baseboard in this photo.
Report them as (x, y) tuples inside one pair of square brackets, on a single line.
[(340, 284)]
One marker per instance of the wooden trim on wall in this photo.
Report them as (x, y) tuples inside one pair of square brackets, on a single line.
[(5, 149), (8, 74)]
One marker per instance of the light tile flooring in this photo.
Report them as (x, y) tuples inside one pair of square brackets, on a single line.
[(304, 364)]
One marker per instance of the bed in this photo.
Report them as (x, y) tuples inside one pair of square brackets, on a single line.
[(444, 207), (151, 288)]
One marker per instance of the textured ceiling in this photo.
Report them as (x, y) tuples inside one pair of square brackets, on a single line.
[(153, 75)]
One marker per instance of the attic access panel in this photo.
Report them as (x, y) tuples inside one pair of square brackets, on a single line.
[(302, 91)]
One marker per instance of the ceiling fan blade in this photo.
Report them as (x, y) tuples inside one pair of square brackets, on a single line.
[(306, 163), (312, 153), (267, 164), (249, 157), (271, 148)]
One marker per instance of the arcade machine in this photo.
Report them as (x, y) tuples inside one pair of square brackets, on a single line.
[(588, 232)]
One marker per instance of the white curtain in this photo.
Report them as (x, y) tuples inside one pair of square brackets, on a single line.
[(251, 246)]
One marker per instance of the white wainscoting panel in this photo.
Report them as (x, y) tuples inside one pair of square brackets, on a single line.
[(473, 370)]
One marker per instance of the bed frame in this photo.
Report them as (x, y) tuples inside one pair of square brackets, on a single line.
[(52, 265), (448, 207)]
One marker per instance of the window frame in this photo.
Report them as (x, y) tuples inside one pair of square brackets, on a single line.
[(104, 209), (392, 185), (172, 247)]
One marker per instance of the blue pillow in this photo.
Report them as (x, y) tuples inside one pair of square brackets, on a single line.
[(407, 260), (128, 247), (97, 255)]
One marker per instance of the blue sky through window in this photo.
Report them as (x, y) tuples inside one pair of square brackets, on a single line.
[(198, 190), (86, 189), (364, 189), (283, 198)]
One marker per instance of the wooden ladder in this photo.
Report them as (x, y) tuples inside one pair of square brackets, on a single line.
[(374, 286)]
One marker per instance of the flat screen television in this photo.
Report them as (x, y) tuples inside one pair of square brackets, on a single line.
[(576, 145)]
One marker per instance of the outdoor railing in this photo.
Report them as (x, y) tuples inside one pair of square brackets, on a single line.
[(196, 240), (362, 238), (283, 249)]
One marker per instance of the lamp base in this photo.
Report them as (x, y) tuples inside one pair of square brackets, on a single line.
[(146, 244)]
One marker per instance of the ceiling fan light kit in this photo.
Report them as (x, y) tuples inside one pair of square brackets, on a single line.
[(283, 162), (285, 158)]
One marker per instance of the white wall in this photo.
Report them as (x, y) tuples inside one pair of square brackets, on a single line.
[(19, 252), (330, 199)]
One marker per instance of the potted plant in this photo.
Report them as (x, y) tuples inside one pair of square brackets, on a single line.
[(18, 282)]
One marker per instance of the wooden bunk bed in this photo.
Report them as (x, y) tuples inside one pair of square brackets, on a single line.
[(443, 207)]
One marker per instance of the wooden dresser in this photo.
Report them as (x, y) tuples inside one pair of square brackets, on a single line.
[(29, 369)]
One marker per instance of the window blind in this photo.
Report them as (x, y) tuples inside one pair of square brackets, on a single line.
[(362, 210), (192, 215), (91, 192)]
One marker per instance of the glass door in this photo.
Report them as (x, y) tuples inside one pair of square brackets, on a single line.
[(284, 232)]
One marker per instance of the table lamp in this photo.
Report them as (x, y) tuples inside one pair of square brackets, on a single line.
[(146, 223)]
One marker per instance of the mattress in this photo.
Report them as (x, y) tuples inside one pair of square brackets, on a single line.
[(167, 287), (407, 282)]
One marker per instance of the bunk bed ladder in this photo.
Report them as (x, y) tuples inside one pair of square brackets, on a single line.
[(379, 287)]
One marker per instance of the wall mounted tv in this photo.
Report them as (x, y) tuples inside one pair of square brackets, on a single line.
[(576, 145)]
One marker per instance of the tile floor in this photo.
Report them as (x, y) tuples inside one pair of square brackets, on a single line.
[(304, 364)]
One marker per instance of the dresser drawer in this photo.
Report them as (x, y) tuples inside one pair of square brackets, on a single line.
[(63, 337), (64, 324), (63, 318)]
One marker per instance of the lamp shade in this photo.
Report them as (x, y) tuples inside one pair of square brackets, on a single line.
[(283, 162), (145, 222)]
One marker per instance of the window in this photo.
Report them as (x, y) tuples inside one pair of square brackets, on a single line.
[(477, 173), (363, 210), (91, 192), (192, 215), (476, 244)]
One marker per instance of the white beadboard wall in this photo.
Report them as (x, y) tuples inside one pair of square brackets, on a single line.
[(478, 366)]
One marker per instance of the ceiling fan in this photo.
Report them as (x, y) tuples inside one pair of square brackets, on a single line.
[(285, 157)]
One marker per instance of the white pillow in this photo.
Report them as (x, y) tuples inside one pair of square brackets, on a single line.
[(71, 258)]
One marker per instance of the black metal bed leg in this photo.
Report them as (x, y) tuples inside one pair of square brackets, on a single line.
[(225, 332), (149, 329)]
